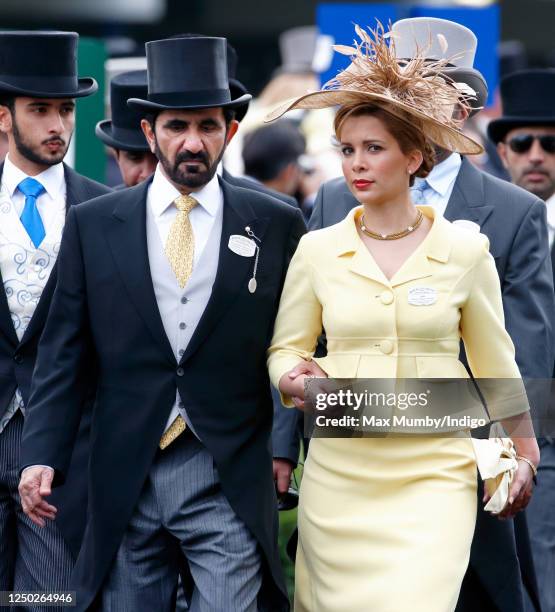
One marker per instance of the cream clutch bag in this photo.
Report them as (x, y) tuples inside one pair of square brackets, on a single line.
[(497, 464)]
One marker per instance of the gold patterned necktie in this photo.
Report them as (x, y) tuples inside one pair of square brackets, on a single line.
[(180, 251), (180, 246)]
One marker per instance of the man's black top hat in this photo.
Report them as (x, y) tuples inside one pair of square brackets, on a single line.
[(42, 65), (527, 99), (123, 130), (236, 88), (187, 73)]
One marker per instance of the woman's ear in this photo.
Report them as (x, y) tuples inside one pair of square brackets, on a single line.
[(415, 159)]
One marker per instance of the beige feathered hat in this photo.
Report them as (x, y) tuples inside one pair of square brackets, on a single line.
[(413, 89)]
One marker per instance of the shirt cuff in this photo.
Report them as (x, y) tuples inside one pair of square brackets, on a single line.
[(34, 466)]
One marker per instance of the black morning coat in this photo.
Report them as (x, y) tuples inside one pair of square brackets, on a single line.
[(17, 361), (104, 310)]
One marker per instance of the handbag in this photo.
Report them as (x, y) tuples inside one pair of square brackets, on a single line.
[(497, 463)]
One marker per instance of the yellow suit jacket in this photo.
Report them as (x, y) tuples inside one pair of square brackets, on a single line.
[(407, 327)]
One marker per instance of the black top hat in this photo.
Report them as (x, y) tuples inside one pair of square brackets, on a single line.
[(236, 88), (187, 73), (42, 65), (527, 99), (124, 131)]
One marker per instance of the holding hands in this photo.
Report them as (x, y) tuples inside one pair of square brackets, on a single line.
[(292, 383)]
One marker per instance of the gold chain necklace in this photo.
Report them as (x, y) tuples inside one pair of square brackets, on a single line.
[(396, 235)]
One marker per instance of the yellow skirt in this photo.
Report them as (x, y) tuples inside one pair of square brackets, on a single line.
[(385, 524)]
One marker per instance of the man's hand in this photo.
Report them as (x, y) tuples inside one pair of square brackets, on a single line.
[(35, 484), (283, 468)]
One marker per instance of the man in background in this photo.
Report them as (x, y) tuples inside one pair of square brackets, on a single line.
[(123, 131), (271, 155), (525, 139)]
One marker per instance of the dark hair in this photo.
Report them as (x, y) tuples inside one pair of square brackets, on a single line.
[(9, 101), (407, 132), (270, 148)]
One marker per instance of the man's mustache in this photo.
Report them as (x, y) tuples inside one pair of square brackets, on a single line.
[(536, 170), (185, 157), (54, 139)]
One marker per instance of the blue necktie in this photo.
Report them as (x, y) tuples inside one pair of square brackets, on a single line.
[(420, 191), (30, 217)]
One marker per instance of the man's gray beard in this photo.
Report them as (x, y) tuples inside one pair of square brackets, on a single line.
[(192, 180)]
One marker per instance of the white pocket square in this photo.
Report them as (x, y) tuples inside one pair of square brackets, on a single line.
[(466, 224)]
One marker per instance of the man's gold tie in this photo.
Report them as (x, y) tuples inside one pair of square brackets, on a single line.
[(180, 251), (180, 246)]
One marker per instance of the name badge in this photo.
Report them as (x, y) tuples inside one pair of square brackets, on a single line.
[(422, 296), (241, 245)]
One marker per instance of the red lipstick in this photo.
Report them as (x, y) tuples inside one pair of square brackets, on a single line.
[(362, 183)]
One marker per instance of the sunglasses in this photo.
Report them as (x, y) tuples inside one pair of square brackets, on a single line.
[(523, 143)]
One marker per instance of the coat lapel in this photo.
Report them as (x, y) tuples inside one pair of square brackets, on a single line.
[(6, 323), (233, 271), (126, 236), (467, 199)]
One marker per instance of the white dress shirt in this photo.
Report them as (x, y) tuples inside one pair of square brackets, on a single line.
[(441, 181), (50, 202), (181, 309), (550, 204)]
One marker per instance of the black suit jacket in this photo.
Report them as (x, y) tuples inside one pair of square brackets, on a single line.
[(514, 220), (17, 361), (288, 424), (104, 308)]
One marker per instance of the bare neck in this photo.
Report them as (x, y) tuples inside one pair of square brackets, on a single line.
[(389, 217)]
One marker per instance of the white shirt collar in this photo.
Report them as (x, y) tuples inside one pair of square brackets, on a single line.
[(550, 204), (52, 179), (165, 194), (444, 174)]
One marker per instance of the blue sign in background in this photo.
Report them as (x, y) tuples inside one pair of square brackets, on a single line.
[(338, 20)]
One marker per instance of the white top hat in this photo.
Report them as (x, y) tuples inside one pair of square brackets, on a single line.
[(436, 38)]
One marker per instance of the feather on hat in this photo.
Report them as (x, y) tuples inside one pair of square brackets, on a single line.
[(412, 89)]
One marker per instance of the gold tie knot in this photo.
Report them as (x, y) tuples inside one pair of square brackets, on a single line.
[(185, 203)]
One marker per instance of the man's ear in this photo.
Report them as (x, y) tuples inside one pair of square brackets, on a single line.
[(6, 119), (502, 151), (460, 113), (149, 135), (231, 130)]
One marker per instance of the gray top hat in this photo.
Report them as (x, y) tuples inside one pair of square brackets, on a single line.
[(443, 39), (297, 47)]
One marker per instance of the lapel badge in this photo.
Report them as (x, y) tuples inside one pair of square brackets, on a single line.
[(422, 296)]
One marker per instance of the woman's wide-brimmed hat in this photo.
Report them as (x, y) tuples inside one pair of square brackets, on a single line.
[(42, 65), (414, 89), (188, 74), (123, 131)]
